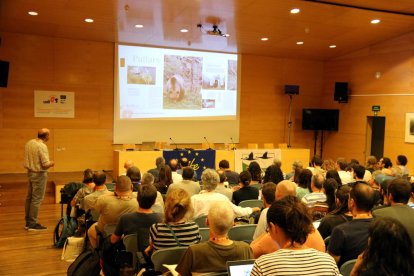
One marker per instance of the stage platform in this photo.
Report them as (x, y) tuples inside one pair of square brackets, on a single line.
[(13, 187)]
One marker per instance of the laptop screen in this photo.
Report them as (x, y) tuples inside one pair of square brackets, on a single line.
[(240, 268)]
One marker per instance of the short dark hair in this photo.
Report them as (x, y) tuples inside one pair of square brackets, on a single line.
[(364, 196), (402, 159), (317, 160), (293, 217), (87, 176), (99, 178), (304, 179), (359, 171), (342, 163), (400, 190), (224, 164), (245, 177), (146, 196), (387, 162), (134, 174), (188, 173), (268, 192), (183, 162)]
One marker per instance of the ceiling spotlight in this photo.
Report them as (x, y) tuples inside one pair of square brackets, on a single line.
[(264, 39), (295, 10), (226, 35), (332, 46), (375, 21), (184, 30), (139, 26), (299, 43), (89, 20), (33, 13)]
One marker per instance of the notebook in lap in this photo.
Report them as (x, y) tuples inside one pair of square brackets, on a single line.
[(239, 268)]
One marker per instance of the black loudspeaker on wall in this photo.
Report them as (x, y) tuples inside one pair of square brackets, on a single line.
[(341, 92), (291, 89), (4, 73)]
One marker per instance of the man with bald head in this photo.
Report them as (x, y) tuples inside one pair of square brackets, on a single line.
[(36, 161), (176, 177)]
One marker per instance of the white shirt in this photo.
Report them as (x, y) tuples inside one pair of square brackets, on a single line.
[(345, 177), (261, 224), (176, 177)]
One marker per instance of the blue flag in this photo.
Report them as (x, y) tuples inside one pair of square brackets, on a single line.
[(199, 160)]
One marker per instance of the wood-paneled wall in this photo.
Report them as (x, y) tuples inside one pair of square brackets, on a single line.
[(393, 60)]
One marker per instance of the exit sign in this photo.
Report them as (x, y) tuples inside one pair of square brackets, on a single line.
[(376, 108)]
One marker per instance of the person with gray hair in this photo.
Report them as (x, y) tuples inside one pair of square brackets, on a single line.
[(159, 162), (202, 202), (297, 164), (317, 194), (213, 255)]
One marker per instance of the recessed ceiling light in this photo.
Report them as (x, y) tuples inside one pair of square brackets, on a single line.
[(264, 39), (33, 13), (226, 35), (89, 20), (184, 30), (299, 43), (295, 10), (139, 26), (375, 21), (332, 46)]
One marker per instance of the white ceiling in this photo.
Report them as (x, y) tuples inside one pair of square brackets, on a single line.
[(317, 25)]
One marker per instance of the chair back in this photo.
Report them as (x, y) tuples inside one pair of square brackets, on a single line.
[(347, 267), (131, 245), (251, 203), (201, 221), (242, 232), (205, 234), (169, 256)]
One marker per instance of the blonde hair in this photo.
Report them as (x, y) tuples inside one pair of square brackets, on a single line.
[(177, 205)]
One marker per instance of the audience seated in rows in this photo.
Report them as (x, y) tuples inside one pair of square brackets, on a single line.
[(304, 183), (164, 179), (159, 162), (128, 164), (176, 177), (112, 206), (398, 195), (177, 229), (345, 176), (388, 251), (187, 183), (202, 202), (268, 197), (246, 192), (402, 164), (87, 189), (158, 206), (231, 176), (334, 174), (135, 175), (255, 172), (184, 162), (338, 216), (297, 165), (316, 166), (289, 225), (212, 256), (222, 186), (317, 194), (99, 178), (274, 173), (357, 172), (349, 239)]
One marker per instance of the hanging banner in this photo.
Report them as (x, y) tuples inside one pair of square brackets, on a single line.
[(54, 104), (265, 157)]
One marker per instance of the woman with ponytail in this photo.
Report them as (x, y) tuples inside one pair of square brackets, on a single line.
[(246, 191), (177, 230)]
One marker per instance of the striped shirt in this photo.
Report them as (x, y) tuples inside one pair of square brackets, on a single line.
[(186, 233), (295, 262), (312, 198)]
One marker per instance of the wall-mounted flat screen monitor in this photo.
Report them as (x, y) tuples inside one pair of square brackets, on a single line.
[(320, 119)]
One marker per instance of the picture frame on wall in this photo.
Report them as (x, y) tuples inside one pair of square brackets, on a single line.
[(409, 127)]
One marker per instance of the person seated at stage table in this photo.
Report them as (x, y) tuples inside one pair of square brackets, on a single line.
[(99, 178), (87, 189), (246, 191), (159, 162), (176, 177), (164, 179), (135, 175), (187, 183), (158, 206), (212, 256), (202, 202), (112, 206), (232, 176), (177, 229)]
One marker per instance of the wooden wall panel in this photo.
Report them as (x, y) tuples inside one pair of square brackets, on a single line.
[(394, 60)]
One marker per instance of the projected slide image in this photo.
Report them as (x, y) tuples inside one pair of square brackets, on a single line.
[(182, 82), (209, 103), (141, 75), (232, 75)]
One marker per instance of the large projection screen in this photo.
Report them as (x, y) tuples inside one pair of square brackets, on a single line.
[(179, 94)]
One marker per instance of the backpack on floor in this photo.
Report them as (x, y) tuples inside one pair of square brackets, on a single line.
[(86, 264), (65, 228)]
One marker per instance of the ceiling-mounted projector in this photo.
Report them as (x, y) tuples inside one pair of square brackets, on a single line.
[(215, 31)]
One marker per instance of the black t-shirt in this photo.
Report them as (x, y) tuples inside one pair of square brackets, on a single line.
[(245, 193), (349, 239), (329, 222)]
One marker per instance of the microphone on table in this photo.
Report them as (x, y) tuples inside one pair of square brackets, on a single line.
[(174, 143), (234, 145), (208, 143)]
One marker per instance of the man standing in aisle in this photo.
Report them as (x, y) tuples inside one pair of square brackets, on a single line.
[(36, 161)]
